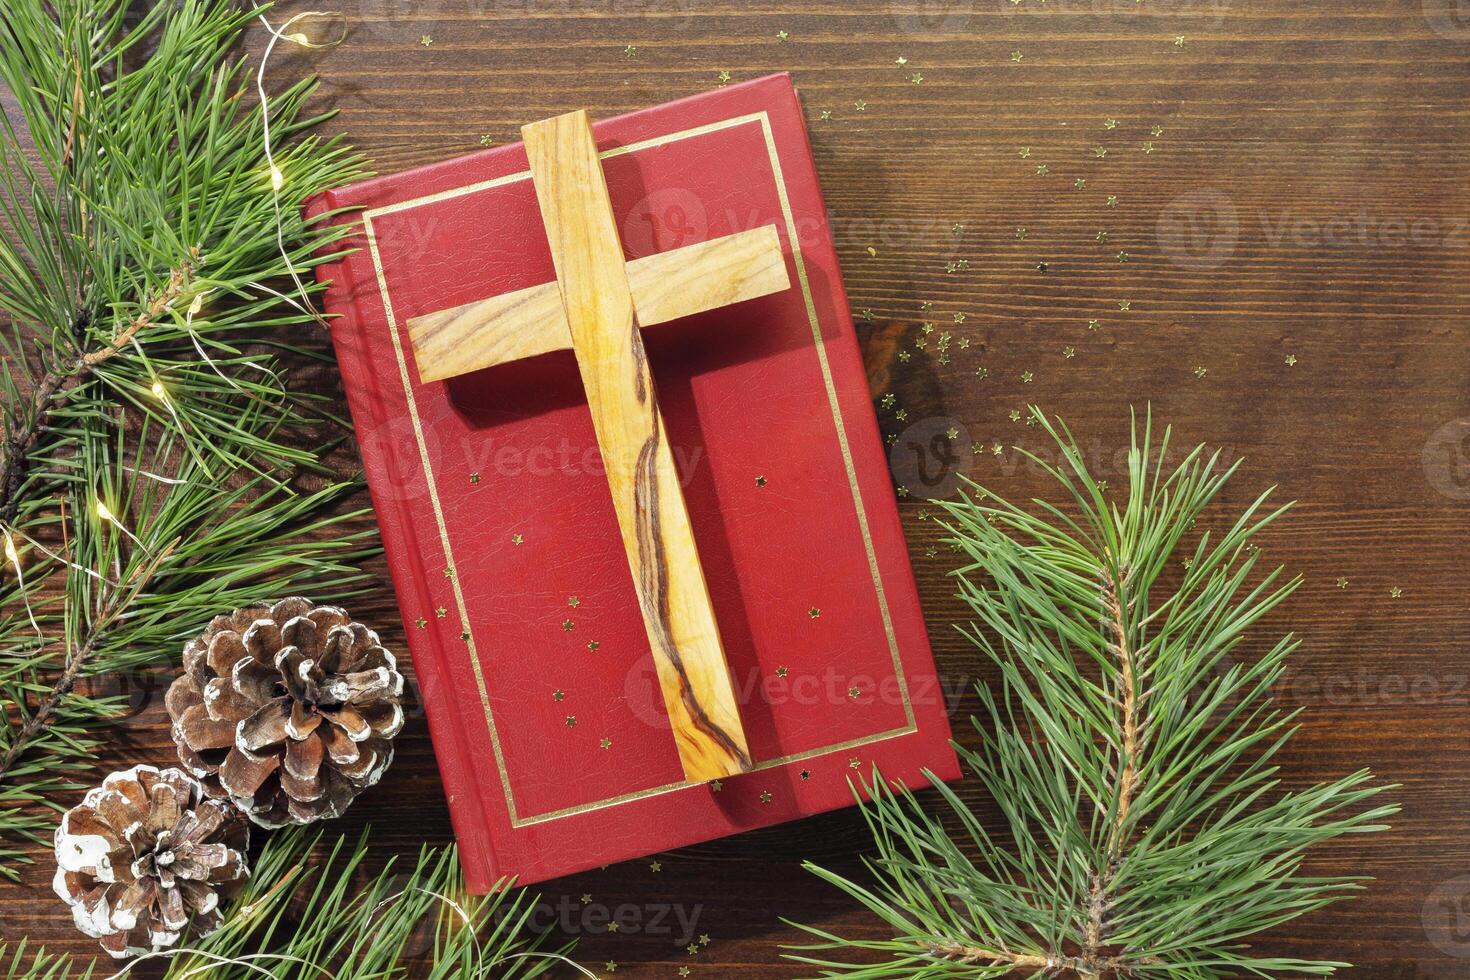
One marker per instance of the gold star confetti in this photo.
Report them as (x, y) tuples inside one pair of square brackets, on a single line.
[(926, 327), (558, 695), (1017, 56), (606, 743), (854, 763), (1395, 592), (1200, 371), (916, 78), (449, 571), (814, 612), (806, 774), (1026, 377), (613, 926), (766, 796), (716, 786), (1080, 183), (760, 481), (1291, 360), (655, 866), (1042, 267), (903, 356), (516, 539), (1342, 582), (1093, 324), (1112, 201), (982, 373), (1042, 170), (1014, 415), (704, 939), (1157, 131), (474, 478), (902, 414), (426, 40), (952, 433), (568, 625), (902, 491), (1110, 123), (487, 140), (631, 51), (926, 306), (900, 61), (782, 671), (1069, 352), (441, 612), (996, 449), (888, 400), (1102, 236), (1125, 305), (573, 601), (723, 77), (1179, 41), (1124, 257), (824, 115), (1025, 152), (1100, 151), (957, 229), (964, 342), (959, 317), (866, 314), (1021, 233), (854, 693), (782, 35), (421, 623), (592, 645), (860, 106), (611, 966), (464, 635), (872, 252), (571, 721), (683, 971), (586, 898), (1148, 146)]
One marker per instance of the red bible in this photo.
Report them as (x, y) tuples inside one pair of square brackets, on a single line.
[(524, 628)]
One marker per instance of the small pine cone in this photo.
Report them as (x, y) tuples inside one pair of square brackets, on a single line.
[(289, 710), (145, 856)]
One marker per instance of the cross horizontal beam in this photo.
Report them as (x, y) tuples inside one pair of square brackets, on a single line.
[(665, 286)]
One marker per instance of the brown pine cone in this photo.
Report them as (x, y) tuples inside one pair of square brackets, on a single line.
[(145, 856), (288, 710)]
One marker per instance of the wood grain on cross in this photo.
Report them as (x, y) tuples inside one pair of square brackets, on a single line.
[(597, 307)]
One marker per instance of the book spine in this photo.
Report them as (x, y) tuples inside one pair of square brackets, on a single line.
[(346, 280)]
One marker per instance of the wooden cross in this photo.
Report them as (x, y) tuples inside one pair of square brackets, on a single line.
[(597, 307)]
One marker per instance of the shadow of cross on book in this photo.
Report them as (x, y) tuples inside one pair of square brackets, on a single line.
[(596, 307)]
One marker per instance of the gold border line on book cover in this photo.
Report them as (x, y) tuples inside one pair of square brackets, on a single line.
[(763, 119)]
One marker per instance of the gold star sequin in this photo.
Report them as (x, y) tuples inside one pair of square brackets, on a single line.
[(1124, 257), (606, 743), (611, 966), (1080, 183), (1100, 151), (586, 898), (1026, 377), (1179, 40), (766, 796), (900, 61), (1102, 236), (957, 229), (952, 433), (902, 490), (1148, 146), (568, 625), (723, 77), (1110, 123), (1342, 582), (1157, 131), (573, 601), (806, 774), (902, 414), (1014, 415), (655, 866), (474, 478), (1200, 371), (1395, 592), (888, 400), (1042, 170), (1112, 201), (704, 939), (440, 612), (959, 318), (982, 372), (782, 671), (1290, 360), (964, 342), (593, 645), (1093, 324), (782, 35), (1025, 152), (1069, 352), (1021, 233), (426, 40), (631, 51), (860, 106), (1125, 305), (854, 693), (854, 763), (814, 612), (421, 623), (824, 115), (760, 481), (487, 140), (996, 449), (464, 635), (716, 786), (571, 721), (683, 971), (516, 539), (449, 571), (693, 948), (916, 78), (1017, 56), (558, 695)]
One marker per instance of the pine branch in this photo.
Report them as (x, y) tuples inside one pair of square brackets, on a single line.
[(1130, 754), (143, 365), (313, 910)]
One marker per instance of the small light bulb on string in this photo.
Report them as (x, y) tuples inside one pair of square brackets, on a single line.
[(108, 516), (278, 179), (13, 556), (159, 391)]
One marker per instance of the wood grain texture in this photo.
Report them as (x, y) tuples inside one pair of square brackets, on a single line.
[(688, 655), (665, 286), (1297, 113)]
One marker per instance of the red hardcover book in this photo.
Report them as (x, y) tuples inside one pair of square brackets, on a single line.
[(523, 625)]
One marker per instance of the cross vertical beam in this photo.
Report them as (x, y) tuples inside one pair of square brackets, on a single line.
[(598, 303)]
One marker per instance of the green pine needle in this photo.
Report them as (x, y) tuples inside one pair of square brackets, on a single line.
[(1130, 747)]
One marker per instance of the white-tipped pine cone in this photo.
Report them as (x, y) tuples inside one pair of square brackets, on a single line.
[(289, 710), (146, 857)]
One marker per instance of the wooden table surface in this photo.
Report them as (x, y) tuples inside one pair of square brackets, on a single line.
[(1297, 283)]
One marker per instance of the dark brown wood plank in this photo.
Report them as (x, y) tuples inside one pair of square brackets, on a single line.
[(1307, 198)]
